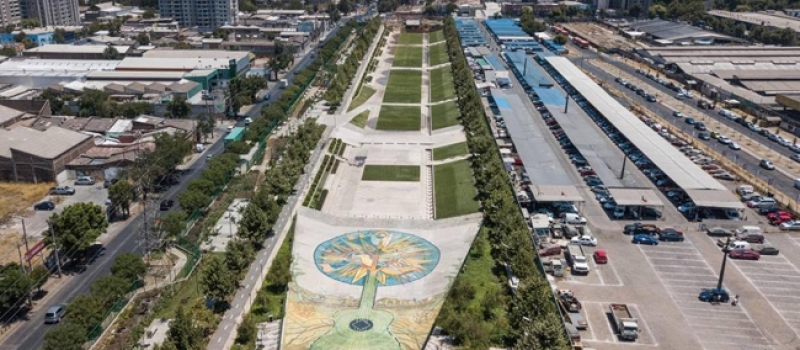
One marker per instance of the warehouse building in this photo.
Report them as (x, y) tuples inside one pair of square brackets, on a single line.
[(31, 155)]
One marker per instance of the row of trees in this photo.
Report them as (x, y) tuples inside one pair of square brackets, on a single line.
[(86, 312), (242, 90), (341, 76), (279, 109), (96, 103), (199, 191), (533, 316)]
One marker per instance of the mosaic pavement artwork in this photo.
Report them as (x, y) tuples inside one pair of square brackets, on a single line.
[(371, 289)]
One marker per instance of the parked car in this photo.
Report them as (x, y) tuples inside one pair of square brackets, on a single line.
[(718, 232), (46, 205), (650, 213), (714, 295), (55, 313), (670, 234), (766, 164), (600, 257), (766, 249), (779, 217), (677, 114), (585, 240), (790, 225), (84, 181), (644, 239), (734, 146), (62, 191), (744, 254), (551, 250)]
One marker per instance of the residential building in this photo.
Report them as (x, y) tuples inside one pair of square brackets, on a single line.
[(203, 14), (10, 13), (52, 12)]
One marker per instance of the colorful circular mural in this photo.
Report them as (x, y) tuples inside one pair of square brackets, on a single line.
[(392, 257)]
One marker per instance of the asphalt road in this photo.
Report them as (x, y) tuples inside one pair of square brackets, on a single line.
[(780, 181), (30, 335)]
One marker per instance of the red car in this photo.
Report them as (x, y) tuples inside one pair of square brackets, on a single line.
[(550, 251), (588, 172), (779, 217), (744, 254), (600, 257)]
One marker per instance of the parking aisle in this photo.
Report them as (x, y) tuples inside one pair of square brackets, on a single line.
[(778, 281), (684, 272)]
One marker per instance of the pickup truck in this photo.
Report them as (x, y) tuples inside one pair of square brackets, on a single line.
[(62, 191), (627, 325), (572, 308), (577, 259)]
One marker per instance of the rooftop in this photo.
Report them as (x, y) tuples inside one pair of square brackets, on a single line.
[(672, 162), (56, 66), (667, 30), (63, 48), (48, 144), (198, 54), (7, 114), (770, 18)]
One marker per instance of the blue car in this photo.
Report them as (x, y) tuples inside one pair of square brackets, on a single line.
[(714, 295), (690, 121), (644, 239)]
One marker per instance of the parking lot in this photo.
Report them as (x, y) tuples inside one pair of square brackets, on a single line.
[(36, 220)]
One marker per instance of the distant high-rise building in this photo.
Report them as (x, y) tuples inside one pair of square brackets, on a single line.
[(9, 12), (205, 14), (52, 12)]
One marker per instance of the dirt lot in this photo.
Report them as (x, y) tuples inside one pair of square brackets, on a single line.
[(17, 197)]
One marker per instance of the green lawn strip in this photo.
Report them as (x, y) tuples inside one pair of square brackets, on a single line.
[(364, 95), (450, 151), (408, 56), (435, 37), (404, 86), (441, 84), (401, 118), (454, 189), (271, 297), (444, 115), (407, 38), (390, 173), (437, 54), (361, 119)]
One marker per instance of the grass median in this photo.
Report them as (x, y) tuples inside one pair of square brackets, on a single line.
[(454, 189), (408, 56), (441, 84), (444, 115), (450, 151), (404, 87), (390, 173), (399, 118)]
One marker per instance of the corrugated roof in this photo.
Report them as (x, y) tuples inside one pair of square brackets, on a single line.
[(672, 162), (7, 114), (48, 144), (636, 196)]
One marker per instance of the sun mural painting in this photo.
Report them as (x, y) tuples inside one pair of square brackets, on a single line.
[(370, 258)]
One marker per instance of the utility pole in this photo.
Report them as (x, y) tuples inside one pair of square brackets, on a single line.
[(22, 269), (624, 161), (55, 251), (25, 239)]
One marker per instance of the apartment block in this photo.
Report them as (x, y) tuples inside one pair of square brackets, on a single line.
[(51, 12), (203, 14), (9, 12)]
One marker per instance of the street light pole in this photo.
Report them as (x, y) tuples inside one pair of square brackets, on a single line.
[(725, 252)]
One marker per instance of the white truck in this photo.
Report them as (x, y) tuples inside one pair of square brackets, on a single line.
[(283, 83), (627, 325), (577, 260)]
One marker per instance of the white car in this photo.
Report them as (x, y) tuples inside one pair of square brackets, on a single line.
[(584, 240), (580, 265), (723, 139), (795, 148), (734, 146), (784, 142)]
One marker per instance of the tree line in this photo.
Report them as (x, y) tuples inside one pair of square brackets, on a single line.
[(87, 311), (221, 276), (341, 76), (532, 315)]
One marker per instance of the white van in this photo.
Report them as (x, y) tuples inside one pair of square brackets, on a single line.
[(747, 189), (739, 245), (572, 218)]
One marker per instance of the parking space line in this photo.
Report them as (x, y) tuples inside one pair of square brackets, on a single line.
[(643, 322)]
